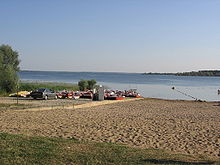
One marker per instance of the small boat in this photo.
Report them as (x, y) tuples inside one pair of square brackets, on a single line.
[(114, 97), (132, 93), (88, 95), (63, 94), (75, 97), (20, 94)]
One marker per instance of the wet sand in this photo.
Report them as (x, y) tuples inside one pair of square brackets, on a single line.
[(180, 126)]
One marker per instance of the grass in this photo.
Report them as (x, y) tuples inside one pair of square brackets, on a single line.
[(2, 105), (30, 86), (20, 149), (52, 85), (14, 106)]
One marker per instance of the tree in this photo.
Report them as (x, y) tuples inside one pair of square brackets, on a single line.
[(83, 84), (9, 66), (91, 84), (86, 84)]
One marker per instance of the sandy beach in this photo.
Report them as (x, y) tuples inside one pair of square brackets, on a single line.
[(180, 126)]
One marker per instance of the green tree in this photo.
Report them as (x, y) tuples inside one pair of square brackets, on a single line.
[(9, 66), (83, 84), (91, 84)]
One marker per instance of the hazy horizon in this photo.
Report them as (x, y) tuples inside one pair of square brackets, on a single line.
[(113, 36), (29, 70)]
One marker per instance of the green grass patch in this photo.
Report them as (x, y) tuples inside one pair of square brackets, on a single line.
[(52, 85), (19, 149), (12, 105)]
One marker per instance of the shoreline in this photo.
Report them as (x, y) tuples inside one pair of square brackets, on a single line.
[(199, 101), (150, 98), (144, 90), (204, 88)]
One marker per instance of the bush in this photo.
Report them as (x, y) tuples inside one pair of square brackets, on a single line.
[(83, 84), (86, 84), (91, 84)]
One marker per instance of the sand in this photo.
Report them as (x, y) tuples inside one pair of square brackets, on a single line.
[(30, 102), (180, 126)]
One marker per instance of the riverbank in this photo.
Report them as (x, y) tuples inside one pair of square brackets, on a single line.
[(178, 126)]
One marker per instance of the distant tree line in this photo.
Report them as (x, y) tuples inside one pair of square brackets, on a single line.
[(200, 73), (151, 73), (9, 66), (193, 73)]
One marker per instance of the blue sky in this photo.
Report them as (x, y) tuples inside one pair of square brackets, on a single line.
[(113, 35)]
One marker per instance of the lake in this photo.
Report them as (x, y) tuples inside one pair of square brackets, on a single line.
[(155, 86)]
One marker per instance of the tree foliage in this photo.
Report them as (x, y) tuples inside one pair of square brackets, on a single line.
[(86, 84), (91, 84), (82, 85), (9, 66)]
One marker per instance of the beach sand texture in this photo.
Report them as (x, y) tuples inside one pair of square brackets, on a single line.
[(180, 126)]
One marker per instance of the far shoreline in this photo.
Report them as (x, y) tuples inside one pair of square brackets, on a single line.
[(206, 73)]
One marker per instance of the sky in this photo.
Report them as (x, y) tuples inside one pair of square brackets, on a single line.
[(113, 35)]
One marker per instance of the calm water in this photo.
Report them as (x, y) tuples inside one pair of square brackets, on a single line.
[(156, 86)]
